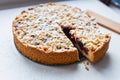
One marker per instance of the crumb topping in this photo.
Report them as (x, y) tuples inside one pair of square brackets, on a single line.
[(41, 27)]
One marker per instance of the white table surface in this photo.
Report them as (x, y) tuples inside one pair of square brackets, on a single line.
[(14, 66), (115, 9)]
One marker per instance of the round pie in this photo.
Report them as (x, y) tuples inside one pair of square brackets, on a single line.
[(58, 34)]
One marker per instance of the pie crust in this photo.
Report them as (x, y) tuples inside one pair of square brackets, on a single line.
[(55, 34)]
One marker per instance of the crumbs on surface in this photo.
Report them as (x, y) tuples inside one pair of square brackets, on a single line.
[(86, 65)]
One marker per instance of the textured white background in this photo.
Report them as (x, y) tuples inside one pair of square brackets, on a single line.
[(14, 66)]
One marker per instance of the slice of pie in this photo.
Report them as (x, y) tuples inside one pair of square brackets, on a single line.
[(57, 34)]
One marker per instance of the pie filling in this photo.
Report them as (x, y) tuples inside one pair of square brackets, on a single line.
[(77, 43)]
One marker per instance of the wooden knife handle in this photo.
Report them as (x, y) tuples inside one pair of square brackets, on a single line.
[(105, 22)]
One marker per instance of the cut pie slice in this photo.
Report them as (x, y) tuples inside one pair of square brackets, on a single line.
[(55, 34), (84, 33), (92, 45)]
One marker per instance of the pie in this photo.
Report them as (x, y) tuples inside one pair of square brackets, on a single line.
[(58, 34)]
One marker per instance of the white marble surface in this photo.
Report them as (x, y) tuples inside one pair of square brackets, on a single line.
[(14, 66)]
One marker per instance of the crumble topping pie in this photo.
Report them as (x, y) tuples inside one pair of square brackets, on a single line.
[(59, 28)]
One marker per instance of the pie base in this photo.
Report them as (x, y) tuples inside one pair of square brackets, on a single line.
[(38, 55)]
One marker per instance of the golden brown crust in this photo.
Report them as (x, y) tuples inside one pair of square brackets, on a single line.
[(95, 56), (47, 58), (100, 52)]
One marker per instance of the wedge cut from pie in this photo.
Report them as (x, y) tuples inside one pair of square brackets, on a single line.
[(57, 34)]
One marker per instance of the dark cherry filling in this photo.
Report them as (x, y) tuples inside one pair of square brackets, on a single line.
[(77, 43), (66, 30), (81, 46)]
